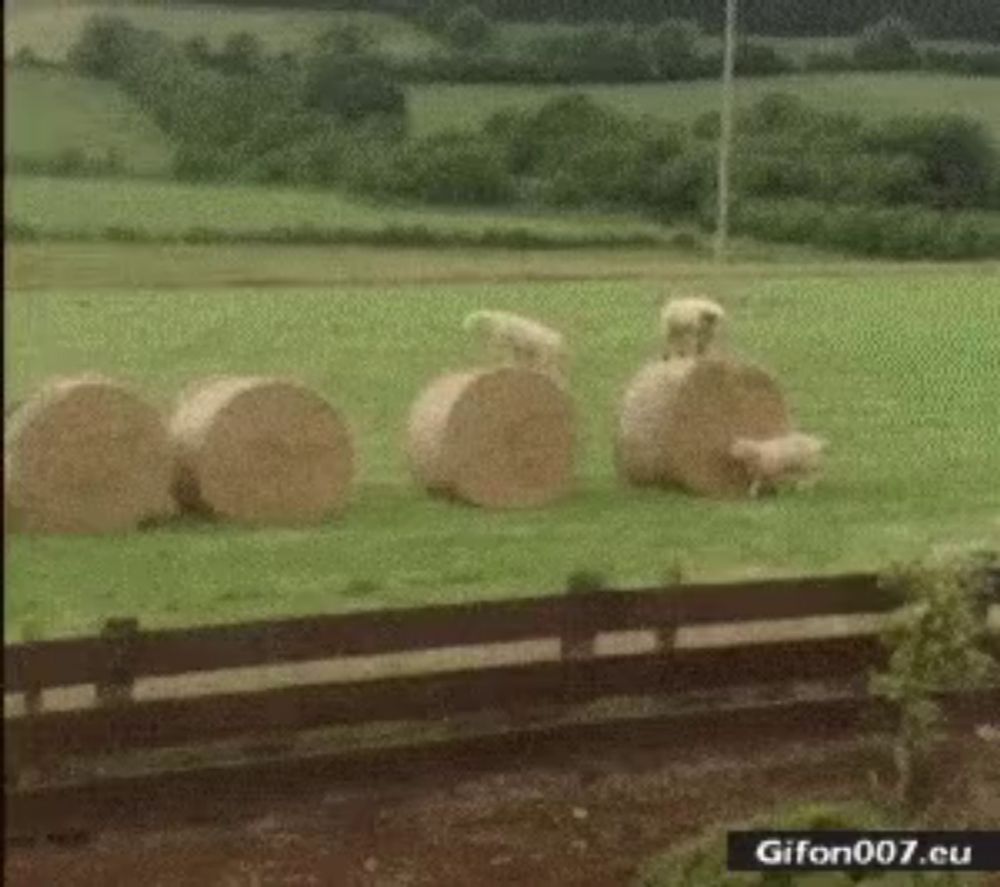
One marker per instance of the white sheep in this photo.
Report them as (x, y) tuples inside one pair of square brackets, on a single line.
[(512, 339), (792, 457), (688, 326)]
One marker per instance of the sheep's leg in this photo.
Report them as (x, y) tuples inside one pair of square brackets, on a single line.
[(755, 487)]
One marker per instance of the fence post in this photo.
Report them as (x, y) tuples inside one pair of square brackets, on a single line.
[(116, 684)]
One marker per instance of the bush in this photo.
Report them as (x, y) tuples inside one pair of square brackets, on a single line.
[(469, 29), (758, 59), (26, 57), (105, 46), (681, 185), (673, 50), (904, 232), (451, 168), (242, 53), (353, 88), (958, 154), (543, 139), (702, 862), (888, 45)]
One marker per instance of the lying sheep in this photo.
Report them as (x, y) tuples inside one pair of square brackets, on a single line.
[(512, 339), (688, 326), (791, 457)]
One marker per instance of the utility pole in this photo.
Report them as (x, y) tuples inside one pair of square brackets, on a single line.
[(725, 131)]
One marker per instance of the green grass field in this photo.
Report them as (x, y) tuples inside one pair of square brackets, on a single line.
[(49, 112), (84, 208), (902, 380), (50, 29), (514, 35), (437, 107)]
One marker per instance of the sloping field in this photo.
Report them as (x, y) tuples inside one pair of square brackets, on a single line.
[(50, 29), (897, 370), (68, 208), (445, 106), (48, 113)]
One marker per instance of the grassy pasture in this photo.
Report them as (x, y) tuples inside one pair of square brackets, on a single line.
[(162, 209), (51, 29), (902, 380), (514, 35), (48, 112), (437, 107)]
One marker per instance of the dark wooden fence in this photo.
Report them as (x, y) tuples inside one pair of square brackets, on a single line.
[(125, 653)]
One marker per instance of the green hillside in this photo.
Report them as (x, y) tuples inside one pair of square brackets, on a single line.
[(48, 113)]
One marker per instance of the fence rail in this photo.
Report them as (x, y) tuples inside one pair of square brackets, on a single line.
[(124, 654), (124, 648)]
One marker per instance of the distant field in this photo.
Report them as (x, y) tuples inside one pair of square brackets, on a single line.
[(447, 106), (51, 29), (62, 207), (515, 35), (898, 370), (48, 112)]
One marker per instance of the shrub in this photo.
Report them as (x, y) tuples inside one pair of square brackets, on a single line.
[(351, 38), (105, 45), (828, 61), (448, 168), (681, 185), (905, 232), (886, 46), (469, 29), (758, 59), (353, 88), (544, 138), (936, 644), (199, 51), (702, 861), (958, 154), (26, 57), (673, 50), (242, 53)]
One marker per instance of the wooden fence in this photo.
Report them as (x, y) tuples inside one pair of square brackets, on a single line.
[(125, 654)]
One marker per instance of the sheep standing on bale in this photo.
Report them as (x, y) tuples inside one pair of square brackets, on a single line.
[(512, 340), (790, 457), (688, 326)]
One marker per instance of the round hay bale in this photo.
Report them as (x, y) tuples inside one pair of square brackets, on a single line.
[(85, 455), (679, 417), (260, 451), (497, 438)]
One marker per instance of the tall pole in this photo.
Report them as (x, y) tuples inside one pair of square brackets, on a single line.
[(725, 131)]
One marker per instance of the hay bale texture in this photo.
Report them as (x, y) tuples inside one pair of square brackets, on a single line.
[(85, 455), (679, 418), (260, 451), (497, 438)]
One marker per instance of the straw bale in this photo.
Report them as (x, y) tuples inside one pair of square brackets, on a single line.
[(497, 438), (85, 455), (679, 418), (260, 451)]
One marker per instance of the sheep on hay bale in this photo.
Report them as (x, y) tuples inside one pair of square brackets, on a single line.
[(512, 340), (496, 438), (688, 326), (679, 420), (85, 454), (260, 451)]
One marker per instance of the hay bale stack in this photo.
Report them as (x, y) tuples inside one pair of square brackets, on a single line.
[(679, 418), (260, 451), (85, 455), (498, 438)]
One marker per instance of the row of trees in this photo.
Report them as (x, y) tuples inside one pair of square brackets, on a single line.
[(336, 116), (670, 49), (967, 19)]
